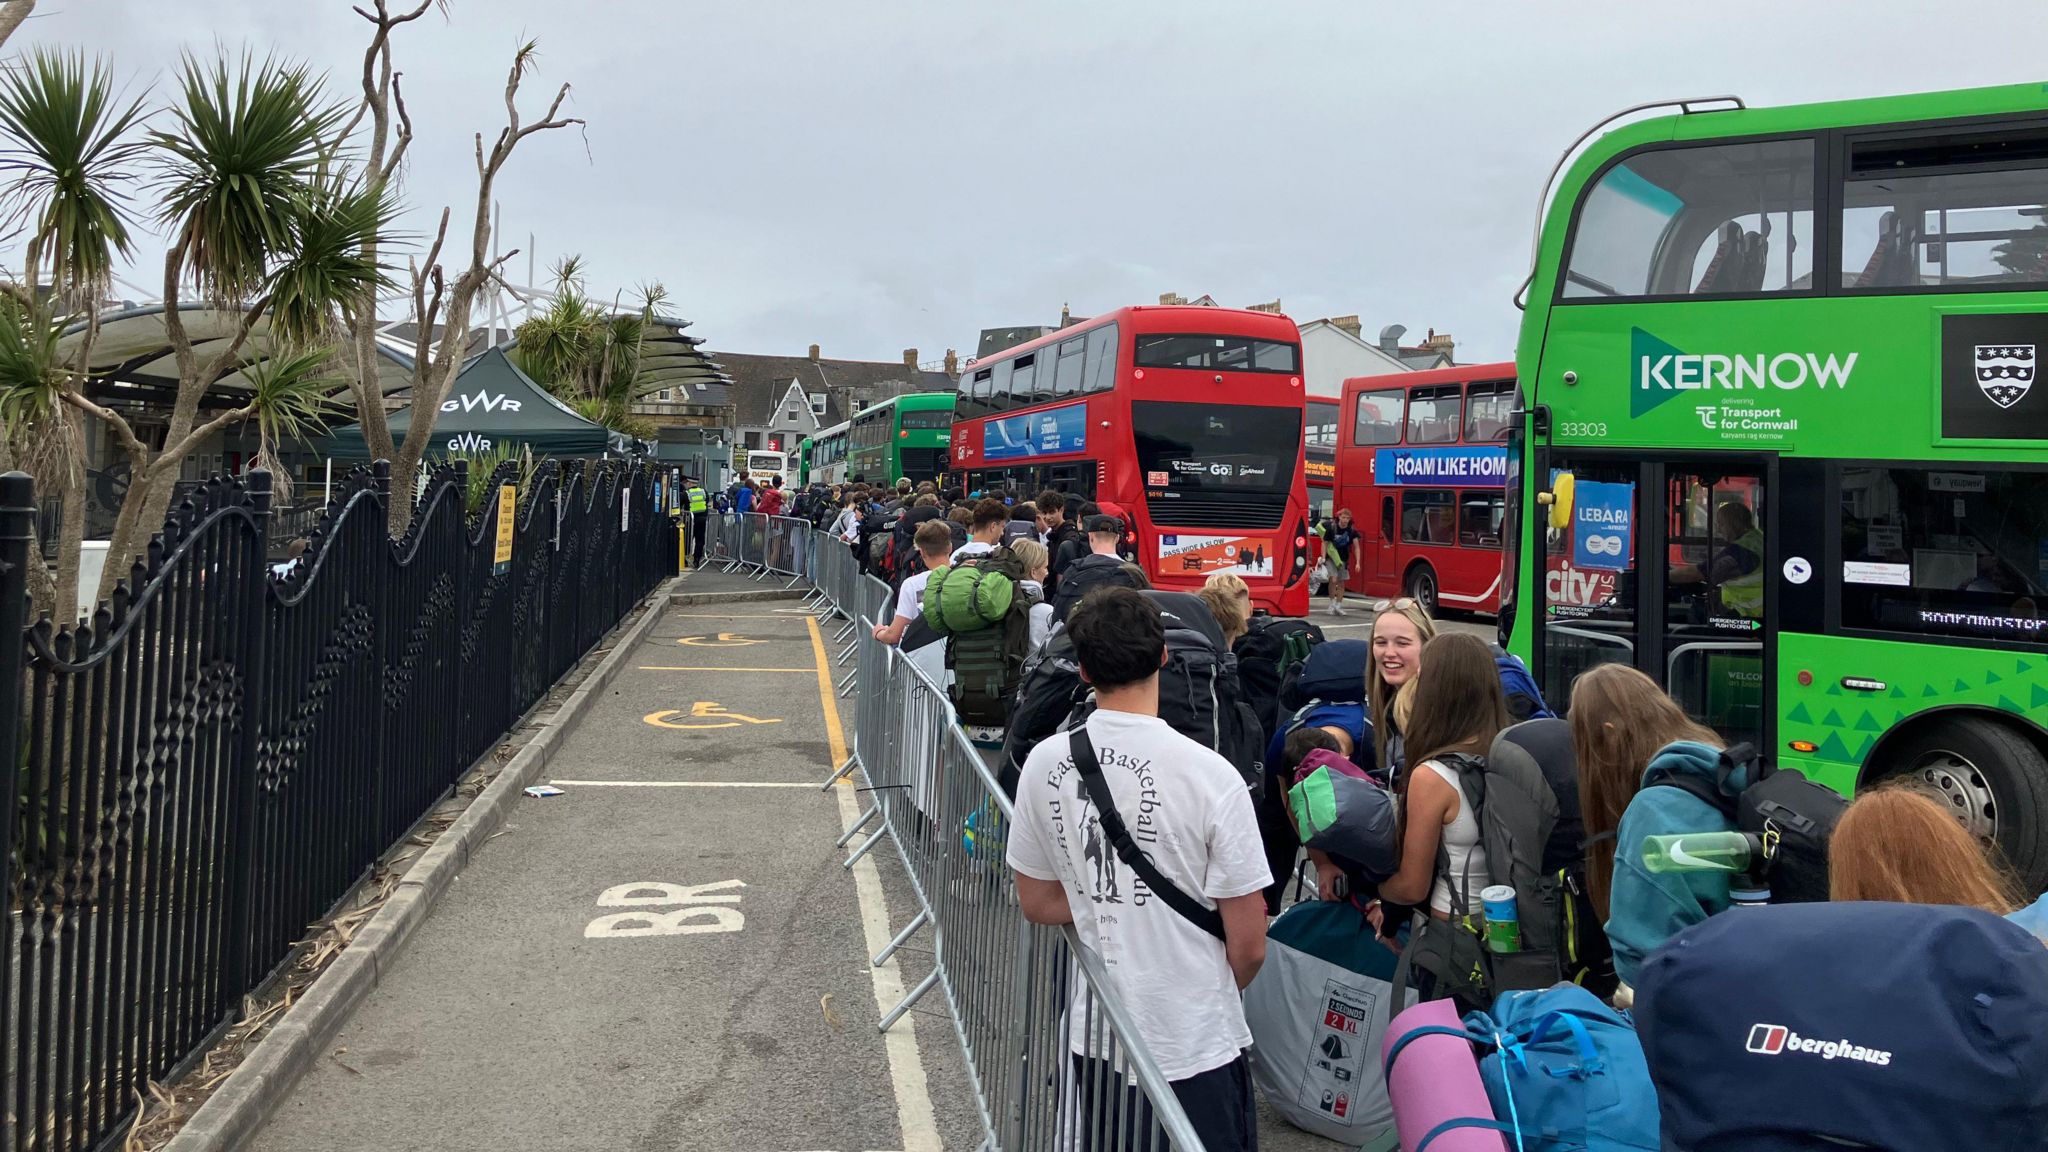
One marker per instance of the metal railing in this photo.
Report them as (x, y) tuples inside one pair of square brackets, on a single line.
[(220, 754), (1055, 1060)]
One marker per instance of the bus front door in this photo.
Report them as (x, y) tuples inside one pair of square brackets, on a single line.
[(1713, 618), (1661, 564)]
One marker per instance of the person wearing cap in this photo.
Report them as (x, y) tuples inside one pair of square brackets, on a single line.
[(1102, 567)]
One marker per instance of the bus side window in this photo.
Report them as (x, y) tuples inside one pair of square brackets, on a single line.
[(1023, 381), (979, 402), (1102, 358), (1387, 519), (1000, 398), (1070, 367)]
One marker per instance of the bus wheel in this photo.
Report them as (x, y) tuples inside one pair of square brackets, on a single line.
[(1994, 780), (1422, 587)]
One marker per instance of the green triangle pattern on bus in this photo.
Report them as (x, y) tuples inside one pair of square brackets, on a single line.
[(1644, 348)]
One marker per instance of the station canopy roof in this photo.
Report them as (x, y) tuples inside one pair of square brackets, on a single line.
[(133, 365)]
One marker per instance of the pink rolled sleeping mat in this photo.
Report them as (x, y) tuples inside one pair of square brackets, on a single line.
[(1436, 1079)]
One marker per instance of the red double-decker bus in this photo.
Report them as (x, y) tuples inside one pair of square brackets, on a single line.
[(1190, 418), (1422, 465)]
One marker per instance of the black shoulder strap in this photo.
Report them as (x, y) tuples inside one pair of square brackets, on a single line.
[(1720, 792), (1207, 919)]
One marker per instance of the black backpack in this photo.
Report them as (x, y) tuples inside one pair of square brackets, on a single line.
[(1087, 574), (873, 546), (1048, 693), (1271, 647), (904, 562), (1199, 693), (1333, 673), (1779, 804)]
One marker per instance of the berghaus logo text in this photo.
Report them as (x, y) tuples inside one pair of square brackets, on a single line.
[(1786, 370), (1778, 1040)]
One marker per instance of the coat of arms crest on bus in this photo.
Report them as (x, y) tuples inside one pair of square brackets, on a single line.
[(2005, 372)]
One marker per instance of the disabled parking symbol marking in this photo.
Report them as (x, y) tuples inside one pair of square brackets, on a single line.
[(721, 640), (711, 713)]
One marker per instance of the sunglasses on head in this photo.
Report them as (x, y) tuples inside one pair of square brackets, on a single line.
[(1400, 605)]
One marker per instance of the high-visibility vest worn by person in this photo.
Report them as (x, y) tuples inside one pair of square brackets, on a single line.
[(700, 500), (1744, 594)]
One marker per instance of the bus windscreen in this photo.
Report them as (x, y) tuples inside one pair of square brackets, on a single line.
[(1216, 448)]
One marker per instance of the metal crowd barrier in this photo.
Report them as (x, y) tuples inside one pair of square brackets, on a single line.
[(1024, 999), (783, 545)]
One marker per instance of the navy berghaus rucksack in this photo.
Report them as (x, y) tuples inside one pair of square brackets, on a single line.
[(1810, 1027)]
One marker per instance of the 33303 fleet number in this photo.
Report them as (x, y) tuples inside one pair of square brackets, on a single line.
[(1582, 428)]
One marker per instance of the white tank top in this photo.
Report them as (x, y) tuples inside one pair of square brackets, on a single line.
[(1461, 846)]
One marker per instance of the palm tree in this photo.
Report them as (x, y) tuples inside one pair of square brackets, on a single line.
[(263, 220), (588, 356), (73, 144), (261, 224)]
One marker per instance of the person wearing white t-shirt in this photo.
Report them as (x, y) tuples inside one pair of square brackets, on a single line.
[(1188, 811), (984, 531), (934, 542)]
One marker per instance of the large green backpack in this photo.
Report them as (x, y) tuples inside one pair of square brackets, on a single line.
[(974, 594)]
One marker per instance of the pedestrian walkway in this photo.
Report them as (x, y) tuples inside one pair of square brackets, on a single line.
[(667, 956)]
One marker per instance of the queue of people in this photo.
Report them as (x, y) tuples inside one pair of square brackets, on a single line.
[(1446, 727)]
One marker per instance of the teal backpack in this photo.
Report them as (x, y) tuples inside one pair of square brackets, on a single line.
[(1564, 1071)]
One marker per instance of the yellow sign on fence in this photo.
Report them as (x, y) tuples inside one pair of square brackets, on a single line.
[(508, 516)]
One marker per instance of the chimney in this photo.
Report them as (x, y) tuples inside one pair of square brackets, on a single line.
[(814, 353), (910, 359), (1274, 308), (1066, 315), (1440, 342), (1172, 298), (1346, 324), (952, 364)]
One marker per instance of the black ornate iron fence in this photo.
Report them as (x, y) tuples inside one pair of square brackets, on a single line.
[(161, 853)]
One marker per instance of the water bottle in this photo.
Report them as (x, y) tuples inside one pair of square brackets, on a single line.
[(1742, 855), (1699, 852)]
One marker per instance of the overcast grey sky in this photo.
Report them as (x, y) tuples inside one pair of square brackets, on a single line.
[(872, 175)]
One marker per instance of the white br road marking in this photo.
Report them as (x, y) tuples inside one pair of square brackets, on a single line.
[(692, 918)]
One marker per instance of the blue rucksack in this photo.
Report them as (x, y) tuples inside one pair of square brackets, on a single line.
[(1564, 1072), (1524, 699), (1802, 1027)]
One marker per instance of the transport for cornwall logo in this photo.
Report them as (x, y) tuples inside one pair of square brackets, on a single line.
[(1659, 371)]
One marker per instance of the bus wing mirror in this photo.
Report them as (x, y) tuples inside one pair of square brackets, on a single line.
[(1559, 501)]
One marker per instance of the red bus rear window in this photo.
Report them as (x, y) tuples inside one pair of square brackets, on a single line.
[(1217, 353)]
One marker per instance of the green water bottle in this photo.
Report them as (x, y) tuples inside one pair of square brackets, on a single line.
[(1699, 852)]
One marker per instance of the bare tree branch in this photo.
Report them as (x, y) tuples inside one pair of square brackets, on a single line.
[(123, 431), (404, 140), (431, 382), (12, 13)]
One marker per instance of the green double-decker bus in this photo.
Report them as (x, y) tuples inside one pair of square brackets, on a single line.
[(1782, 444), (904, 436)]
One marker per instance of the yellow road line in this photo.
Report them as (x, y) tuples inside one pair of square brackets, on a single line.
[(828, 697), (708, 668)]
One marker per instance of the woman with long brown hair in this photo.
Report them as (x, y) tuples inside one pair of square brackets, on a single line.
[(1622, 723), (1458, 708), (1400, 628), (1902, 845)]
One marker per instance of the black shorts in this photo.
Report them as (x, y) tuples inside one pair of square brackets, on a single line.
[(1218, 1104)]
